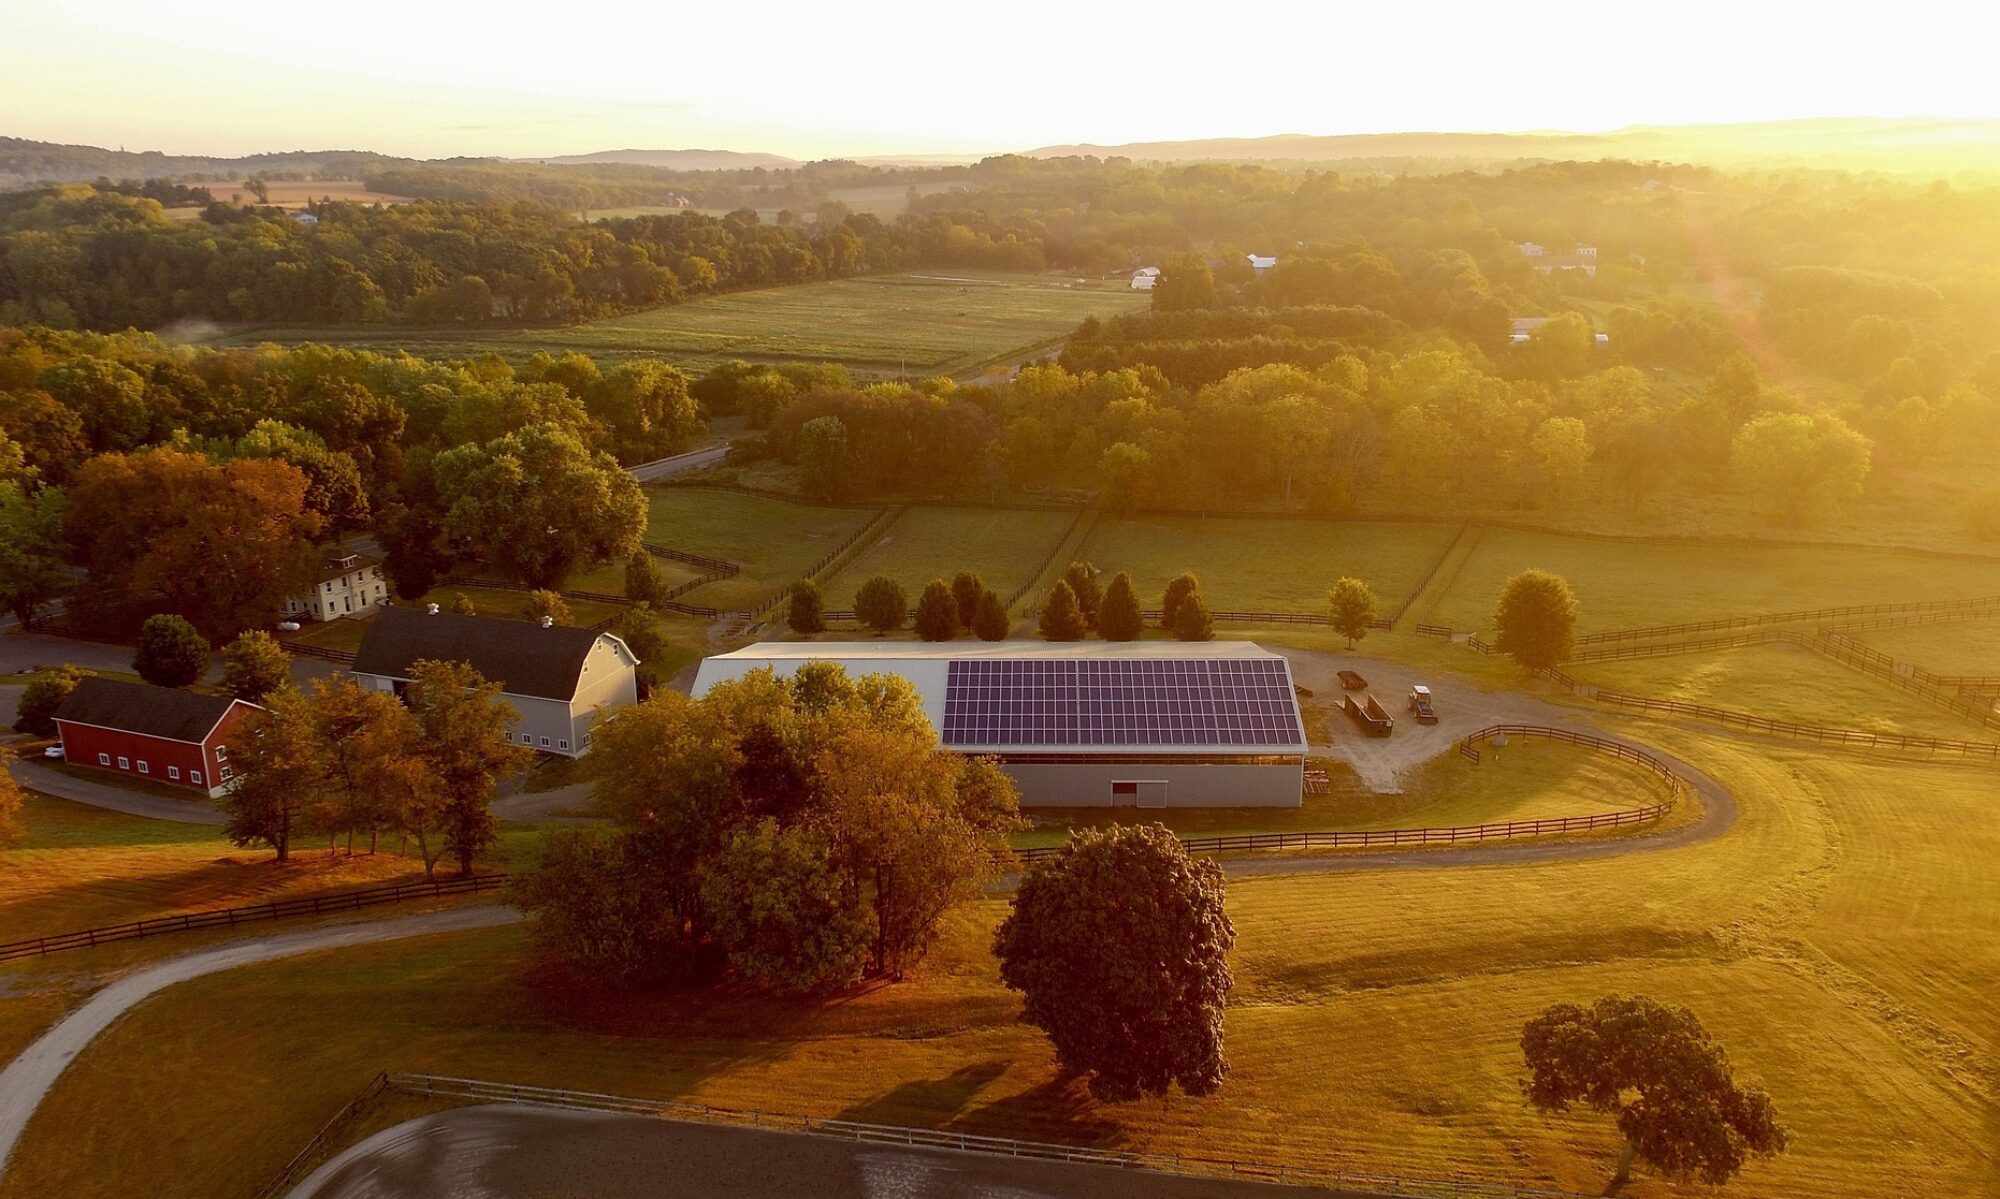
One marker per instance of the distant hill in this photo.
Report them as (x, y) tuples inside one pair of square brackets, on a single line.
[(672, 160), (1889, 144), (24, 162)]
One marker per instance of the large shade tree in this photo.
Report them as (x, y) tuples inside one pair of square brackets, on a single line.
[(540, 504), (1536, 621), (1662, 1075), (1119, 946)]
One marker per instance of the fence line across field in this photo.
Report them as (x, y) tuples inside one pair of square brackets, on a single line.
[(951, 1140)]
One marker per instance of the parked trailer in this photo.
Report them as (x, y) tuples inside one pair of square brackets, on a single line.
[(1351, 681), (1369, 713)]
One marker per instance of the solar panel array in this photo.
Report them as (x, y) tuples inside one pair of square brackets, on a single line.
[(1114, 702)]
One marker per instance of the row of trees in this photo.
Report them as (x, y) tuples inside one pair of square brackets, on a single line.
[(342, 761)]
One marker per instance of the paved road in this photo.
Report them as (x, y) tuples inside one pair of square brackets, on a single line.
[(28, 1077), (666, 468), (508, 1152), (37, 777)]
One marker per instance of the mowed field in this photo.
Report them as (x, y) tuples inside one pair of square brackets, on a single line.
[(925, 323), (1266, 565), (1002, 547), (1785, 683), (885, 200), (1836, 939), (775, 542), (1626, 584), (1969, 647)]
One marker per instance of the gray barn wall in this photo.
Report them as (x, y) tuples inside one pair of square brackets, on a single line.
[(1088, 784)]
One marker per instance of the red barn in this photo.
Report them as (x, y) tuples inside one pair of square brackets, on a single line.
[(157, 733)]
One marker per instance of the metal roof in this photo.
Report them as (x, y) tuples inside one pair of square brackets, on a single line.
[(165, 712), (1069, 697), (521, 656)]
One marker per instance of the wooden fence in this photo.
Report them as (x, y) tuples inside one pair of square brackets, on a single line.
[(1819, 734), (311, 905), (1983, 606), (831, 562), (323, 1139), (1183, 1165), (344, 657)]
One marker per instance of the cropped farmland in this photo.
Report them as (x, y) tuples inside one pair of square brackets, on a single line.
[(923, 323)]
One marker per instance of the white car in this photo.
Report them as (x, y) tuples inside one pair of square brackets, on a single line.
[(288, 626), (53, 751)]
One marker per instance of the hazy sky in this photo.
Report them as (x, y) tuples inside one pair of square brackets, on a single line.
[(814, 80)]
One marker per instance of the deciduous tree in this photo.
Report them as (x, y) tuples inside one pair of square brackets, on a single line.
[(280, 773), (880, 604), (465, 743), (1800, 464), (254, 665), (12, 798), (937, 612), (807, 613), (540, 504), (784, 912), (544, 604), (413, 551), (171, 652), (1119, 945), (36, 713), (32, 572), (1665, 1079), (644, 581), (1082, 580), (1536, 620), (1353, 604)]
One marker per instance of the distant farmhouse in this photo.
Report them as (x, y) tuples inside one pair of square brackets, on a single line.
[(1584, 259), (305, 218), (555, 677), (1261, 262), (1090, 724), (1525, 326), (1145, 277), (349, 584), (161, 734)]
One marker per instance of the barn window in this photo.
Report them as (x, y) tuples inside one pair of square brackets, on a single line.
[(545, 741), (562, 745), (222, 753), (194, 776), (1124, 788), (124, 763), (104, 759), (224, 776), (143, 768), (174, 773)]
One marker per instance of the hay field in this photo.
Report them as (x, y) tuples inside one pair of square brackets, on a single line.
[(922, 323)]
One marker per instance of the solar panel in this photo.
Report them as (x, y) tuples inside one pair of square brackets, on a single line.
[(1096, 702)]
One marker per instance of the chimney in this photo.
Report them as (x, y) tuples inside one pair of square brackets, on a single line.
[(548, 622), (432, 609)]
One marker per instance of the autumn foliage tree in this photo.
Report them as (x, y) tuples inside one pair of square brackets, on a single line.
[(1353, 605), (11, 800), (254, 665), (1119, 945), (1659, 1072), (540, 503), (463, 742), (222, 545)]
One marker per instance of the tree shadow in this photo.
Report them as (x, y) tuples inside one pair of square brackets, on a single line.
[(928, 1102), (1060, 1110)]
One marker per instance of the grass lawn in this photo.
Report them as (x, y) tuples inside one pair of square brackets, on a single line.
[(1000, 546), (773, 541), (1786, 684), (81, 867), (1837, 939), (609, 578), (928, 323), (1625, 585), (1960, 648), (1529, 780), (1266, 565)]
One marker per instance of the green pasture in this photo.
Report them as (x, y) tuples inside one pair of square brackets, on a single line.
[(1784, 683), (1626, 584), (925, 323), (1266, 565), (1001, 546), (1969, 647), (775, 542)]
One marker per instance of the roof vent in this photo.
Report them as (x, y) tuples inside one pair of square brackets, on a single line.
[(431, 608), (548, 622)]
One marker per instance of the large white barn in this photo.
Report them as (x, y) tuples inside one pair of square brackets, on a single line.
[(1149, 724)]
